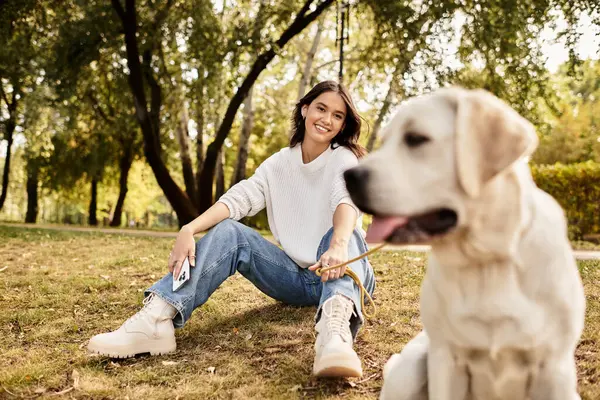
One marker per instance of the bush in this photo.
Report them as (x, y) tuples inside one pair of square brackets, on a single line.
[(577, 188)]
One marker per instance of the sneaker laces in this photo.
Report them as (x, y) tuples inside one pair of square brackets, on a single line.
[(144, 310), (338, 319)]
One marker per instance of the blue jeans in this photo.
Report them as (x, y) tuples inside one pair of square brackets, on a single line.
[(231, 246)]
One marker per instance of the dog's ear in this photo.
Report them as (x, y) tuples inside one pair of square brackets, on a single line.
[(490, 137)]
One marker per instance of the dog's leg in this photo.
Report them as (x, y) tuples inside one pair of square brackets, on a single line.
[(405, 374), (557, 380), (447, 380)]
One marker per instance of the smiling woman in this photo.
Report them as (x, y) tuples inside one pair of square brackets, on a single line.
[(309, 212), (326, 116)]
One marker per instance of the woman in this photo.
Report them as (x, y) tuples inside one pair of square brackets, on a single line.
[(309, 212)]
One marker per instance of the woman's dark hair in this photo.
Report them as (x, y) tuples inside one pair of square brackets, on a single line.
[(348, 136)]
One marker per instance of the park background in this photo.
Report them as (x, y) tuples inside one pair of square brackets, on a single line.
[(138, 114)]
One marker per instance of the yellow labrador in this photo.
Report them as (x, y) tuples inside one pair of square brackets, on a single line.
[(502, 301)]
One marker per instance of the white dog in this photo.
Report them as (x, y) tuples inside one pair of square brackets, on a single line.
[(502, 301)]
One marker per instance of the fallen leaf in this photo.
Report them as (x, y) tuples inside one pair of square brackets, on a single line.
[(170, 363), (107, 277), (211, 370), (352, 384), (295, 388), (67, 390), (393, 323), (236, 330), (248, 336), (3, 268), (75, 376), (271, 350)]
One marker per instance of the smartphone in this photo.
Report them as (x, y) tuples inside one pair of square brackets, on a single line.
[(184, 275)]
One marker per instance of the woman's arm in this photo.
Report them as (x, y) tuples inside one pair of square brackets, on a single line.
[(244, 198), (344, 222), (215, 214), (185, 244)]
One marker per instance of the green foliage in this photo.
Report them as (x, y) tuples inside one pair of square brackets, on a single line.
[(573, 133), (577, 188), (76, 116)]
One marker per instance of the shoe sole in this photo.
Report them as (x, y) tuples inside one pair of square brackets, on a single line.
[(139, 349), (337, 366)]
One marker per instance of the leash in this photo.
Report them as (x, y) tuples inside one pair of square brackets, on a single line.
[(356, 279)]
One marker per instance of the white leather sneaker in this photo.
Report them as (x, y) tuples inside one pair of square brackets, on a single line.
[(333, 347), (150, 330)]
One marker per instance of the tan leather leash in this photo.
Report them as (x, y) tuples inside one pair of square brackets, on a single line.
[(356, 279)]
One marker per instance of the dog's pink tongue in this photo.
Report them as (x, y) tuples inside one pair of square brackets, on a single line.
[(382, 227)]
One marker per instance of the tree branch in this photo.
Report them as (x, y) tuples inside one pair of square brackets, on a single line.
[(155, 91), (304, 9), (4, 94), (97, 108), (119, 9), (300, 22), (161, 16)]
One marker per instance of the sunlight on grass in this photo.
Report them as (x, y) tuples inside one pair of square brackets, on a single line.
[(60, 288)]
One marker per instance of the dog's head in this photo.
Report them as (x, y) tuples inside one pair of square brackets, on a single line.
[(439, 154)]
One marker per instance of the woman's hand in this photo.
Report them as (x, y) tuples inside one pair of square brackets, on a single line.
[(185, 246), (336, 254)]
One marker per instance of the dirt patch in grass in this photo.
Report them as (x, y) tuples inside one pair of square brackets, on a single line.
[(57, 289)]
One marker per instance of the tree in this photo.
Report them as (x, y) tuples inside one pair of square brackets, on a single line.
[(141, 76), (302, 19), (17, 63), (573, 133)]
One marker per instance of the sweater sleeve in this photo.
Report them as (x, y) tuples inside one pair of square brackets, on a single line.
[(339, 193), (247, 197)]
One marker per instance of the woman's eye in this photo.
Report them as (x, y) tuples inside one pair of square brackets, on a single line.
[(414, 139), (338, 116), (320, 109)]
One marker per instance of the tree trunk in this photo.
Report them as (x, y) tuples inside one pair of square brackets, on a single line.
[(310, 56), (220, 176), (183, 137), (92, 218), (149, 120), (124, 167), (10, 126), (239, 172), (301, 21), (199, 151), (32, 193), (387, 102)]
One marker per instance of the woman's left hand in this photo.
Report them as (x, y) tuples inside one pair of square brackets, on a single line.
[(336, 254)]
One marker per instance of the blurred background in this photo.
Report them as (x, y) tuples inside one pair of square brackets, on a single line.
[(141, 113)]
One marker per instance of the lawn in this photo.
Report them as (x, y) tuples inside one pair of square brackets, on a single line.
[(57, 289)]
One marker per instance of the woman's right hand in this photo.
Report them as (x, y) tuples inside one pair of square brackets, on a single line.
[(185, 246)]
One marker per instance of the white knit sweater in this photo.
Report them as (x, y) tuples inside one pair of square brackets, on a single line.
[(300, 198)]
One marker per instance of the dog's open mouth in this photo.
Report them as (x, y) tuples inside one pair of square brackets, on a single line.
[(410, 230)]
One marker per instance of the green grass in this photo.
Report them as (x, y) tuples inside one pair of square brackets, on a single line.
[(60, 288)]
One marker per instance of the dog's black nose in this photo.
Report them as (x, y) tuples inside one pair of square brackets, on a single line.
[(357, 183), (356, 179)]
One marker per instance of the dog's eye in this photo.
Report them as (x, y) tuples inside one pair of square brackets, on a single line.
[(414, 139)]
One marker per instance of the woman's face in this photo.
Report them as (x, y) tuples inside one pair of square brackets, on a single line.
[(324, 118)]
